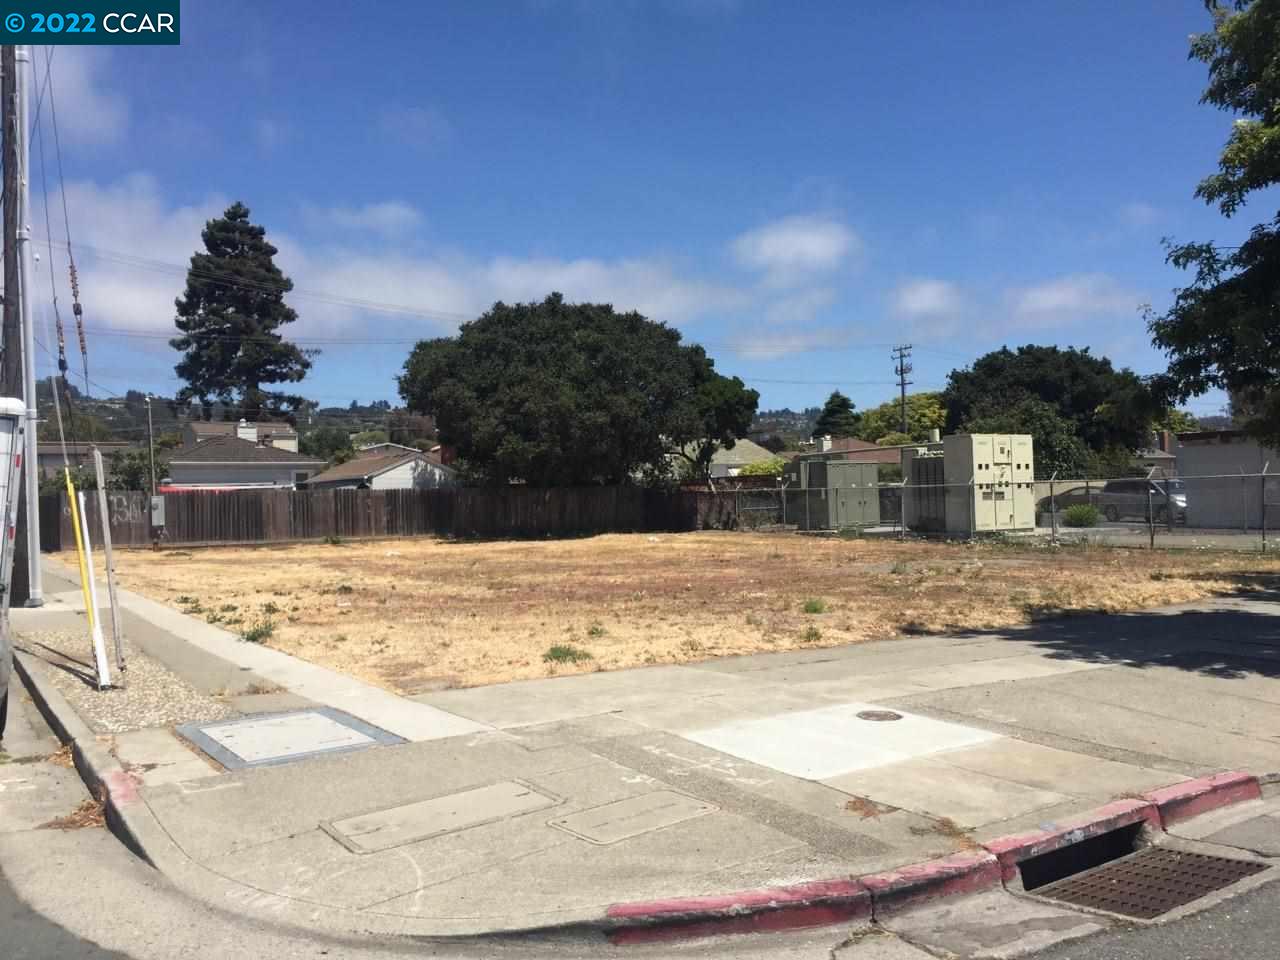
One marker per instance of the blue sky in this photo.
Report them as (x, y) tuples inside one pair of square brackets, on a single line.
[(797, 185)]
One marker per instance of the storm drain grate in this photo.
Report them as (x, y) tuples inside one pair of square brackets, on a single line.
[(1149, 883)]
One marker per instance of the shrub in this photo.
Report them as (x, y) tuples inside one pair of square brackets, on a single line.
[(812, 634), (334, 540), (815, 605), (260, 631), (565, 653), (596, 630), (1081, 515)]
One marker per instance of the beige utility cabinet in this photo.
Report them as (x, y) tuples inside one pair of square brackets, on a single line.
[(990, 480)]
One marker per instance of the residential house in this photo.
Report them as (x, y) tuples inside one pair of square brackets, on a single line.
[(275, 433), (728, 463), (404, 470), (79, 454), (236, 463)]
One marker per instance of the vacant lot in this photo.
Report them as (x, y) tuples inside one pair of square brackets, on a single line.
[(419, 614)]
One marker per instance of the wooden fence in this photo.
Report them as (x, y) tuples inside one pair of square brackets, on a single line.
[(281, 516)]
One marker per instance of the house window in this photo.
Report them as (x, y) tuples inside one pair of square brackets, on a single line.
[(301, 477)]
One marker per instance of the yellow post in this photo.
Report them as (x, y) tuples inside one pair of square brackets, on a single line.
[(84, 570)]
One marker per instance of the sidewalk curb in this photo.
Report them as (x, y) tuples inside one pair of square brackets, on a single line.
[(1181, 801), (1013, 849), (101, 772), (759, 910), (879, 895)]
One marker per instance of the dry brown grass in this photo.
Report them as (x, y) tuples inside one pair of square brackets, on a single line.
[(415, 615)]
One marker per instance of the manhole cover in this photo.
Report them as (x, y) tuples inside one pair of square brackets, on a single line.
[(1149, 883), (879, 716)]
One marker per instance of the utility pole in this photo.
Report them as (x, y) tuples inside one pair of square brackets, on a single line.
[(901, 356), (151, 444), (10, 330), (18, 369)]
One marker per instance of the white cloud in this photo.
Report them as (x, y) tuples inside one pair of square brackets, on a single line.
[(791, 249), (135, 291), (424, 128), (1137, 214), (928, 307), (1069, 299), (389, 217), (89, 113), (928, 299), (129, 217)]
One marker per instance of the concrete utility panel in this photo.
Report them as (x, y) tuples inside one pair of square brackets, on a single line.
[(282, 737), (828, 742), (412, 822), (628, 818)]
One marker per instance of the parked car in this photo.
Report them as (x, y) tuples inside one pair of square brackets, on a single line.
[(1068, 497), (1131, 499)]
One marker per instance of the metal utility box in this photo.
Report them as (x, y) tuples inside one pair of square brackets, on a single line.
[(926, 501), (835, 495), (990, 483)]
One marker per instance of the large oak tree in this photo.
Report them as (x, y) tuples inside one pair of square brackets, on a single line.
[(556, 394)]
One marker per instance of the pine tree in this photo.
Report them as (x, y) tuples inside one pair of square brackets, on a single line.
[(228, 318), (837, 418)]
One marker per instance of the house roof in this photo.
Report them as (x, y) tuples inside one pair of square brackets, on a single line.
[(227, 428), (224, 449), (384, 449), (744, 451), (848, 444), (362, 468)]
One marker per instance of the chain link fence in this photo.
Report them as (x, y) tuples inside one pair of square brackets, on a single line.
[(1235, 511)]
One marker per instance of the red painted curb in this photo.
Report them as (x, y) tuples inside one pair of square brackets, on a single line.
[(949, 876), (1012, 850), (1194, 797), (765, 909)]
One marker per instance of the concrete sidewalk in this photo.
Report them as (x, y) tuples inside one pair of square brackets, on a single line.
[(543, 803)]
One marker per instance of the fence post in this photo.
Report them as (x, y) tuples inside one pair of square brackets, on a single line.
[(1053, 507), (902, 511), (1151, 520), (1244, 502), (782, 489), (1262, 502)]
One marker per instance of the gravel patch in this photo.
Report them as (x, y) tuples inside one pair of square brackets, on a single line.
[(151, 697)]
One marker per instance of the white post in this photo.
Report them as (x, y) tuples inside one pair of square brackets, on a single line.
[(116, 631), (22, 80), (99, 644)]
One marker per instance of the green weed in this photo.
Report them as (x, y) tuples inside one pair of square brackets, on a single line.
[(565, 653)]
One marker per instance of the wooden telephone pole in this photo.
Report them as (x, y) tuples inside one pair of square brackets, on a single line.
[(17, 364)]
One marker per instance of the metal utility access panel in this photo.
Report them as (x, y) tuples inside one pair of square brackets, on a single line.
[(990, 482)]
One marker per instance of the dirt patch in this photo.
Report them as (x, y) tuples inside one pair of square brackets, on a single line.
[(420, 614)]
